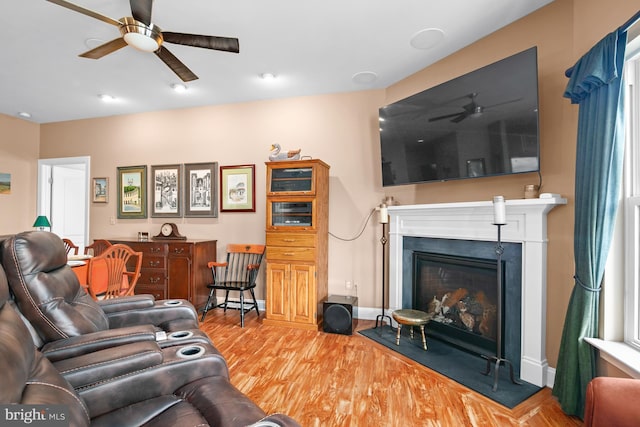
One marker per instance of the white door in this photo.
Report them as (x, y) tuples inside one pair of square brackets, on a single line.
[(63, 196)]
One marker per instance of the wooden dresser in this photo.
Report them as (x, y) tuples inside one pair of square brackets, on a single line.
[(297, 242), (175, 268)]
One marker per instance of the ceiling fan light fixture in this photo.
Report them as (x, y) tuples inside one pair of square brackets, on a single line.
[(140, 36)]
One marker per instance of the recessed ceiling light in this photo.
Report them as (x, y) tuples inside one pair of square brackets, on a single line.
[(427, 38), (268, 76), (24, 115), (93, 42), (106, 97), (364, 77), (179, 87)]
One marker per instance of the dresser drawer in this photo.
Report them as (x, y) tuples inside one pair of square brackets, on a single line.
[(158, 292), (291, 239), (179, 249), (293, 254), (153, 261), (151, 248), (152, 277)]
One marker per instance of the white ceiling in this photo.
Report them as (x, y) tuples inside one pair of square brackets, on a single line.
[(313, 47)]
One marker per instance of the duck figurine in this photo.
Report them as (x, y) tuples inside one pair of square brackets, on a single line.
[(276, 155)]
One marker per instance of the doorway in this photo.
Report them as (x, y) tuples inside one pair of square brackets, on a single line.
[(63, 196)]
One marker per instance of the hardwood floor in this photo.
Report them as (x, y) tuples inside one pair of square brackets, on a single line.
[(326, 380)]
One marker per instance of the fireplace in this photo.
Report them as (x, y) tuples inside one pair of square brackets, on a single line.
[(525, 234), (466, 272), (460, 293)]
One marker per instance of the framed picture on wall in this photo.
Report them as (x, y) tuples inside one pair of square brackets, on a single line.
[(237, 188), (166, 191), (132, 192), (100, 190), (201, 183)]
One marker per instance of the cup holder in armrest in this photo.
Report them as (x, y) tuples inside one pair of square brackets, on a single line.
[(180, 335), (173, 302), (190, 352)]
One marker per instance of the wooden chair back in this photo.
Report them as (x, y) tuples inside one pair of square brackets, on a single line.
[(69, 246), (97, 247), (240, 268), (118, 266)]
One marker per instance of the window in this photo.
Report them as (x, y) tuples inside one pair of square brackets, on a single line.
[(631, 197)]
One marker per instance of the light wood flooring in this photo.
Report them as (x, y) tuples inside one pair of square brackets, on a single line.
[(327, 380)]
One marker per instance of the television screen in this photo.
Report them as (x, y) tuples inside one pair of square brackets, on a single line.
[(484, 123)]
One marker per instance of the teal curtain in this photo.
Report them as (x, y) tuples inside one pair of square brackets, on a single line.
[(596, 85)]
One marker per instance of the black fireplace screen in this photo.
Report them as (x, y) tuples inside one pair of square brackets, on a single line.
[(461, 293)]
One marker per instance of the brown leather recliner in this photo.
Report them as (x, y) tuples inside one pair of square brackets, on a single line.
[(64, 319), (150, 398)]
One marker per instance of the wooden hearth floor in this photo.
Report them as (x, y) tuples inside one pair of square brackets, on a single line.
[(327, 380)]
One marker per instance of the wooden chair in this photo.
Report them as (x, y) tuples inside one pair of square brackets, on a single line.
[(69, 246), (237, 273), (109, 275), (97, 247)]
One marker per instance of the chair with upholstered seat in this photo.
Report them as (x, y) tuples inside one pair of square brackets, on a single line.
[(237, 273), (97, 247), (115, 272), (70, 247)]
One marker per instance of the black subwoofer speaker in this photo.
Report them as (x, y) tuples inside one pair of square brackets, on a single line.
[(338, 314)]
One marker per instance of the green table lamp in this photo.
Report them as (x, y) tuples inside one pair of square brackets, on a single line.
[(42, 222)]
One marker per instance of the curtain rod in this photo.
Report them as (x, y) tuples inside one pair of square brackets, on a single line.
[(624, 27)]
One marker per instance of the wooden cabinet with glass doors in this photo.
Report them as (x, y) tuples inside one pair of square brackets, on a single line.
[(297, 241)]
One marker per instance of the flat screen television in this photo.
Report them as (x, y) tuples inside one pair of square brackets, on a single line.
[(484, 123)]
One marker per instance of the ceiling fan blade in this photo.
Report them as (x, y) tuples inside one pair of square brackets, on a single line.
[(460, 118), (104, 49), (141, 10), (446, 116), (227, 44), (175, 64), (87, 12)]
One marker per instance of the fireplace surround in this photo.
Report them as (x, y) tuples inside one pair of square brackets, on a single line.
[(526, 226)]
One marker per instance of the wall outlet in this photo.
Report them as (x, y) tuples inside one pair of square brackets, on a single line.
[(348, 285), (112, 220)]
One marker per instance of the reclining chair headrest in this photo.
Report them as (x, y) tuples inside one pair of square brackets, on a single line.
[(4, 288), (46, 290)]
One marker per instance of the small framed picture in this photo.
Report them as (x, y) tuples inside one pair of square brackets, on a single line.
[(132, 192), (237, 188), (201, 182), (166, 191), (100, 190)]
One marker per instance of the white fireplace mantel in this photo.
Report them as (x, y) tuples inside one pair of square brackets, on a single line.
[(526, 224)]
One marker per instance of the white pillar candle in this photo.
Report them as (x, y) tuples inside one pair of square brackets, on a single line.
[(499, 211), (384, 214)]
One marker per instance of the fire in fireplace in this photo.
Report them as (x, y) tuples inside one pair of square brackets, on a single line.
[(461, 293)]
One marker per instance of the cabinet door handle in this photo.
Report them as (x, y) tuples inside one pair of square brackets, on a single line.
[(288, 254), (289, 240), (178, 250), (154, 263), (155, 249), (154, 279)]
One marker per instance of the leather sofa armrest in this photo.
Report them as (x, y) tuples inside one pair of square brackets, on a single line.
[(133, 302), (162, 313), (612, 402), (276, 420), (95, 341), (89, 369)]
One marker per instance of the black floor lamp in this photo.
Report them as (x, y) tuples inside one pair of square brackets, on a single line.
[(384, 220)]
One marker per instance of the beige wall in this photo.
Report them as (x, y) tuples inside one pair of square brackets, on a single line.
[(342, 130), (19, 145)]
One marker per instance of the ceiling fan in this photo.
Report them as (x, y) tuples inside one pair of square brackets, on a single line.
[(472, 109), (139, 32)]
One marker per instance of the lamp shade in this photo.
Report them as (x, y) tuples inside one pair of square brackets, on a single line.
[(41, 222)]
